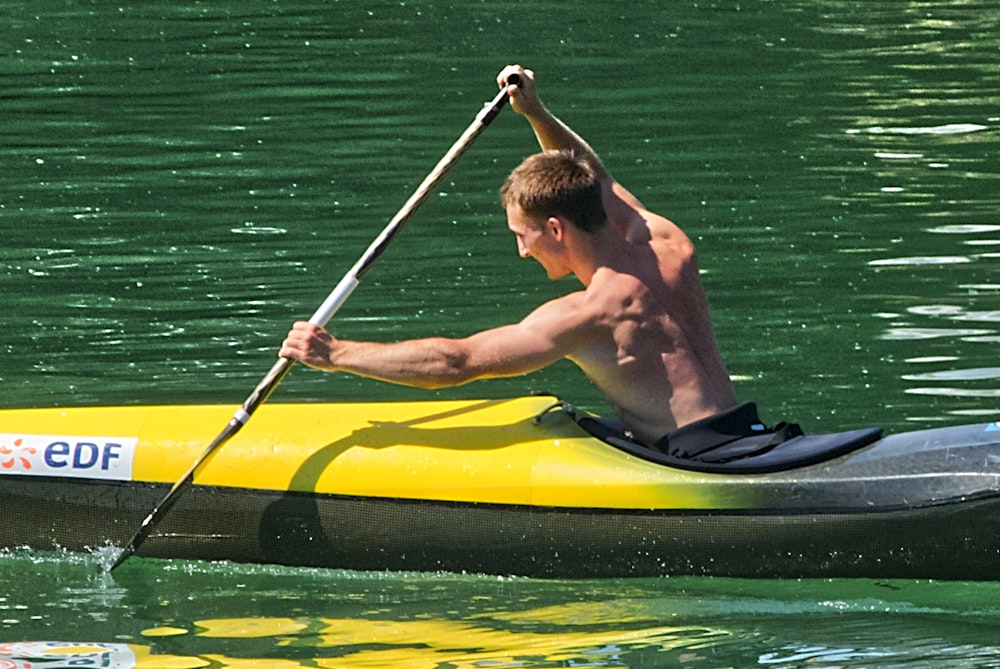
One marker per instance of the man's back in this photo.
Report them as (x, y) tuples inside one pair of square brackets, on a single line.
[(657, 363)]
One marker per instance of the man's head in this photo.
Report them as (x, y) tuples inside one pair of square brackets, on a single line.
[(556, 183)]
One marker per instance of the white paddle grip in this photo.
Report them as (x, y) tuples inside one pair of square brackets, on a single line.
[(334, 300)]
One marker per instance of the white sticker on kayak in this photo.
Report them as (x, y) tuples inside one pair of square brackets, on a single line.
[(60, 654), (88, 457)]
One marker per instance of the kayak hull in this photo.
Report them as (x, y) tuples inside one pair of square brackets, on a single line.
[(392, 499), (948, 541)]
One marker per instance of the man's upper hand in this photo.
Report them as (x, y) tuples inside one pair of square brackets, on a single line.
[(523, 96)]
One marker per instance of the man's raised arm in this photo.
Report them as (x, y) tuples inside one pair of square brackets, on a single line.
[(625, 212)]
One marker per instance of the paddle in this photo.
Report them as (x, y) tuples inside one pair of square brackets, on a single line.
[(326, 311)]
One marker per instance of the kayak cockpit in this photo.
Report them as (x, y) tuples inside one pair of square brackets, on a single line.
[(717, 446)]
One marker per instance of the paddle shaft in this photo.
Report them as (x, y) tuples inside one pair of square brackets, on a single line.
[(322, 316)]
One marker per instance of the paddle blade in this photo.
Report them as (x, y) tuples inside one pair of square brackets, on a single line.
[(147, 524), (175, 493)]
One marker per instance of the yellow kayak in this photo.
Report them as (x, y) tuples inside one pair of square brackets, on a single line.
[(521, 486)]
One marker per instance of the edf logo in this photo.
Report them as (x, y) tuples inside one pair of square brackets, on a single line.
[(16, 454), (65, 456), (82, 455)]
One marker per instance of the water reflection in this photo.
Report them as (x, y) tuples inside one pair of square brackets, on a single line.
[(225, 615), (350, 643)]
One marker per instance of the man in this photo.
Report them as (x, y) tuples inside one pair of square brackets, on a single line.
[(640, 329)]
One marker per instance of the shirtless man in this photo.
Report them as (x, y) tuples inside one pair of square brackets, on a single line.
[(640, 329)]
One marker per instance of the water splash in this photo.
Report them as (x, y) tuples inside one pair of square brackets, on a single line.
[(105, 555)]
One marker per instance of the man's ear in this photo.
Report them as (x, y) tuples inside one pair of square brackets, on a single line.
[(555, 225)]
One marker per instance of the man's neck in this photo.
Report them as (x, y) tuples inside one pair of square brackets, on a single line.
[(593, 252)]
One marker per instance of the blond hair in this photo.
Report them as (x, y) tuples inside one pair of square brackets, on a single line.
[(557, 183)]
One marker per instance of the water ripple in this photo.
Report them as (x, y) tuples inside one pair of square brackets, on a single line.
[(914, 333), (946, 129), (920, 260)]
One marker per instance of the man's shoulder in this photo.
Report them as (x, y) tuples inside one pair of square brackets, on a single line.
[(576, 310), (570, 302), (662, 228)]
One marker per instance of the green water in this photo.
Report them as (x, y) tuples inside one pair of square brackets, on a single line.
[(190, 615), (182, 180)]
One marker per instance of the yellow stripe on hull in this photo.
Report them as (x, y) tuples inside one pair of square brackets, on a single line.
[(463, 451)]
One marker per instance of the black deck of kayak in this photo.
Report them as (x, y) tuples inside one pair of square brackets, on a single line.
[(748, 455)]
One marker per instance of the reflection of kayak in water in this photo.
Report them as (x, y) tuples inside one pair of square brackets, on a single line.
[(362, 642), (501, 487), (70, 655)]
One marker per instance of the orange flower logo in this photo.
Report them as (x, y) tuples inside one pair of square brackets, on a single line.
[(11, 456)]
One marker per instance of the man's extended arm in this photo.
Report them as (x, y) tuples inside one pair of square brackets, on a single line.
[(549, 333)]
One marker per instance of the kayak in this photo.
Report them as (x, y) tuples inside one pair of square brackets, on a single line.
[(525, 486)]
